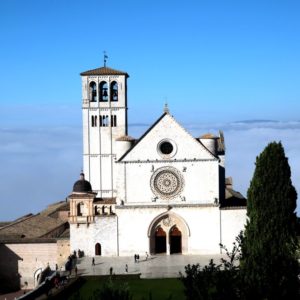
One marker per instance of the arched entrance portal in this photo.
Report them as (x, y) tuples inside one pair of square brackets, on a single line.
[(168, 233), (97, 249), (175, 240), (160, 241)]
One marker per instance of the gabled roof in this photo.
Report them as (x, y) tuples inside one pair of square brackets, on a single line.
[(160, 119), (146, 132), (103, 71)]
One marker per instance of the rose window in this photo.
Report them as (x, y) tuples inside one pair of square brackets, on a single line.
[(166, 182)]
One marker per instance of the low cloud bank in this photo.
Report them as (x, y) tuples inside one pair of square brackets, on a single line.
[(39, 166)]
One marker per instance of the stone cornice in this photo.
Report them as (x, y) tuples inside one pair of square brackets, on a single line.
[(95, 108), (233, 207), (168, 206), (167, 161), (29, 241)]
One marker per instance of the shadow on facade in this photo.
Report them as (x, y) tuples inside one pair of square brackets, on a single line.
[(9, 270)]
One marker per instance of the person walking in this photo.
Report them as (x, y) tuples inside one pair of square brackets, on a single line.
[(93, 261), (126, 268)]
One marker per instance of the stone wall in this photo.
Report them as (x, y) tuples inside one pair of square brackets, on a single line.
[(63, 251), (103, 231), (203, 228), (233, 221), (22, 262), (201, 224)]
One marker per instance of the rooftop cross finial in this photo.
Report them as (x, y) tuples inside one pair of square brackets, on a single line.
[(105, 58), (81, 175), (166, 107)]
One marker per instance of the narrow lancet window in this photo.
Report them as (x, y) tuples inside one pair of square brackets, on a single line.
[(113, 121), (106, 120)]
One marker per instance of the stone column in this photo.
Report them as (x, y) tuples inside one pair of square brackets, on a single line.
[(168, 243)]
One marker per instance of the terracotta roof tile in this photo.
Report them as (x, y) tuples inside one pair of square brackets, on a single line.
[(125, 138), (42, 225), (33, 227), (104, 71), (207, 136), (105, 201)]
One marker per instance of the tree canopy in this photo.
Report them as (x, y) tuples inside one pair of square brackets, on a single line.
[(269, 264)]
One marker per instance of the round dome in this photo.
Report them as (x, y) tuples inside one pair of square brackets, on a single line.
[(82, 185)]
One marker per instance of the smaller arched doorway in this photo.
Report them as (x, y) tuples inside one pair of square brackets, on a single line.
[(98, 249), (37, 276), (175, 240), (160, 241)]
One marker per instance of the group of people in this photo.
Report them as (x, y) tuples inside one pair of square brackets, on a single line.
[(80, 253), (136, 258)]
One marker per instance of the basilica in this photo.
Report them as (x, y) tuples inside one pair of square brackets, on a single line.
[(165, 192)]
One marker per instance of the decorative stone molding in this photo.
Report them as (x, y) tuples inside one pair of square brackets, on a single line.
[(167, 182)]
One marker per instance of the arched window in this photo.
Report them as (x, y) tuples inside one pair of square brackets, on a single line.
[(96, 210), (114, 91), (93, 92), (79, 209), (103, 91), (93, 121)]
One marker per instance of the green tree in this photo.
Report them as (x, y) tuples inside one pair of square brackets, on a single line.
[(269, 265), (215, 282)]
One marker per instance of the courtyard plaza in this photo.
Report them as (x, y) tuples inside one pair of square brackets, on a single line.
[(155, 266)]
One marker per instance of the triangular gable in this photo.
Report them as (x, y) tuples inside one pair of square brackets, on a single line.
[(167, 128)]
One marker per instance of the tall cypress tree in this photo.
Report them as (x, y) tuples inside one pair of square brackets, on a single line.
[(269, 265)]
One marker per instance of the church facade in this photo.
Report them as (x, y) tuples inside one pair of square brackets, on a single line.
[(163, 193)]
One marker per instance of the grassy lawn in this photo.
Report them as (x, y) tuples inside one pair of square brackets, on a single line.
[(140, 289)]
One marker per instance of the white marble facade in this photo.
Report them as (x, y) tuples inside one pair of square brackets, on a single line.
[(161, 193)]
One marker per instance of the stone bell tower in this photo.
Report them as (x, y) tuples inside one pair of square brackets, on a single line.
[(104, 117)]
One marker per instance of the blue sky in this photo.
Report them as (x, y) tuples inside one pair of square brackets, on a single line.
[(215, 62)]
